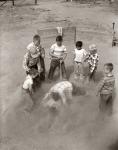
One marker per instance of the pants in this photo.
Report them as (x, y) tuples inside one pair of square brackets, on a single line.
[(92, 74), (42, 74), (54, 64), (106, 102)]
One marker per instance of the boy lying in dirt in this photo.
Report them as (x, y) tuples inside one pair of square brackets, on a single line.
[(60, 94)]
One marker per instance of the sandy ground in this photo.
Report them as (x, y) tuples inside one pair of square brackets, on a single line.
[(79, 126)]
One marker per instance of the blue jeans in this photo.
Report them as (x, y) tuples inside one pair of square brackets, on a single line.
[(53, 65)]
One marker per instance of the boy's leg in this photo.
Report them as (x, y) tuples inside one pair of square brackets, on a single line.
[(36, 82), (109, 103), (105, 102), (92, 75), (102, 103), (42, 74), (63, 70), (53, 65), (76, 72), (80, 70)]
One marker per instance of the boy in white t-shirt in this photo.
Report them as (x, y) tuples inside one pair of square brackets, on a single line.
[(29, 81), (58, 53), (79, 55)]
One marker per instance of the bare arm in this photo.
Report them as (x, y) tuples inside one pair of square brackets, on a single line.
[(25, 62), (100, 86)]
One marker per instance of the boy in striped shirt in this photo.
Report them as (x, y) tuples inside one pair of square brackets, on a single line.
[(58, 53), (106, 87)]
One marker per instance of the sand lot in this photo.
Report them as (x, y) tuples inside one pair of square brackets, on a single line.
[(78, 127)]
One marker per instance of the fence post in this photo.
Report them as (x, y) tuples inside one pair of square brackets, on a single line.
[(35, 2), (13, 2)]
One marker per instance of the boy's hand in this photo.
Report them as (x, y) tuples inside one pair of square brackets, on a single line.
[(28, 69), (40, 70)]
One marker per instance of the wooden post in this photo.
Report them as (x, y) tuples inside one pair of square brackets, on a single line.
[(75, 35), (35, 2), (13, 2)]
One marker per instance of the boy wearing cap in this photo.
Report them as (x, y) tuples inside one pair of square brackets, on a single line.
[(34, 58), (92, 59)]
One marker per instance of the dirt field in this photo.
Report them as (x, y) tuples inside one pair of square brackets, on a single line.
[(78, 127)]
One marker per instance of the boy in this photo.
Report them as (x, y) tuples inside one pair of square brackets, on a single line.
[(92, 59), (29, 81), (34, 58), (106, 87), (79, 55), (59, 93), (58, 53)]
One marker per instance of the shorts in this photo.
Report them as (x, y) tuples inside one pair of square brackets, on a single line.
[(78, 68)]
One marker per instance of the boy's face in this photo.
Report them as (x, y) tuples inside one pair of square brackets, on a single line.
[(36, 42), (106, 70), (92, 52), (79, 48), (59, 43)]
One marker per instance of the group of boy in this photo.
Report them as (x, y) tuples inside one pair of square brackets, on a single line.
[(35, 67)]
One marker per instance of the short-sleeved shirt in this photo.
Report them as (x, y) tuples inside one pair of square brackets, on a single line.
[(29, 60), (107, 85), (92, 61), (58, 50), (32, 47), (79, 55)]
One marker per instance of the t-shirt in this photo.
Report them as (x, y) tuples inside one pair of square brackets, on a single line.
[(58, 50), (107, 85), (80, 55), (28, 82)]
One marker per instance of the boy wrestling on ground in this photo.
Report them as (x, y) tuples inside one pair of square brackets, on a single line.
[(60, 94)]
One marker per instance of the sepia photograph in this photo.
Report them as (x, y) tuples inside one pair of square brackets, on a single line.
[(58, 74)]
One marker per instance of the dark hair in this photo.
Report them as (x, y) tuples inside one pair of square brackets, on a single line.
[(59, 38), (36, 37), (55, 96), (109, 65), (79, 44), (33, 71)]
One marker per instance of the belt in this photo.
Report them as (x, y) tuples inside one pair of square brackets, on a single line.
[(78, 62)]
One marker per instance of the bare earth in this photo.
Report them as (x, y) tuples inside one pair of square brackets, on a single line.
[(78, 127)]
